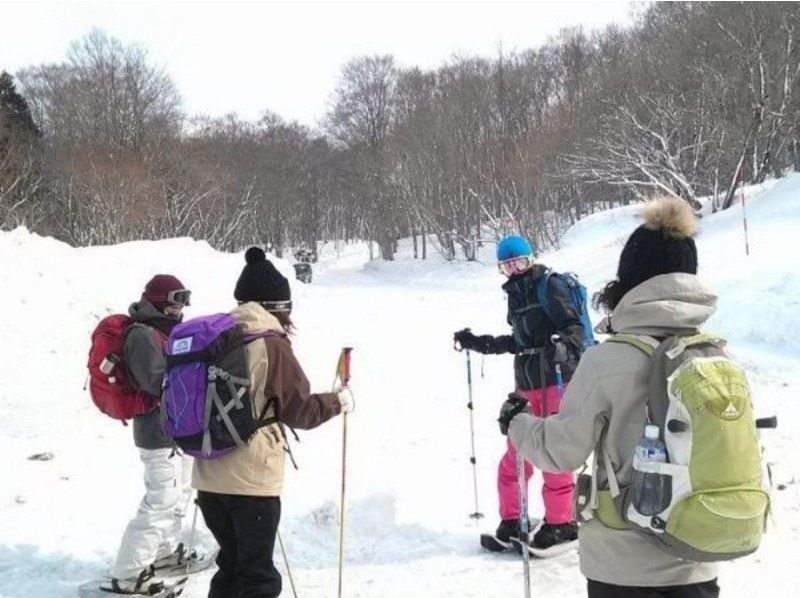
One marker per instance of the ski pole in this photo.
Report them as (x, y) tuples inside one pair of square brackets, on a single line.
[(522, 486), (477, 514), (191, 535), (286, 562), (343, 375), (543, 382)]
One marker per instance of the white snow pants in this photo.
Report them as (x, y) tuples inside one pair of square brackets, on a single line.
[(155, 530)]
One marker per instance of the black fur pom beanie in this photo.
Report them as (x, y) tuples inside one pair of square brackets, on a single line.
[(662, 245)]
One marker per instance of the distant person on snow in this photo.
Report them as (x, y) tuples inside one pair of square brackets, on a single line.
[(239, 493), (533, 326), (152, 539), (656, 293)]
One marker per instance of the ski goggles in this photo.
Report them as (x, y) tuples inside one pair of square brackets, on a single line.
[(179, 297), (515, 265), (277, 306)]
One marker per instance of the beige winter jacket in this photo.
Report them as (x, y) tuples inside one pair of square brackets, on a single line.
[(605, 405), (257, 469)]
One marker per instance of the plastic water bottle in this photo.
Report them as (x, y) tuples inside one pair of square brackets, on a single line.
[(651, 448), (652, 492), (107, 366)]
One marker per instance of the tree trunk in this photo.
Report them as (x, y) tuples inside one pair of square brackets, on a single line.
[(386, 247)]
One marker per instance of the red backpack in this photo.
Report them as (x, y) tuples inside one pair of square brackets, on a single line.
[(108, 376)]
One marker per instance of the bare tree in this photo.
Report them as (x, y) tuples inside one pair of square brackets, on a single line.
[(362, 115)]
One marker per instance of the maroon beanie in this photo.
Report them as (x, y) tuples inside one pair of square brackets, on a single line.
[(159, 287)]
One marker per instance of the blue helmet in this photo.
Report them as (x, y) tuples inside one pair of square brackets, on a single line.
[(513, 246)]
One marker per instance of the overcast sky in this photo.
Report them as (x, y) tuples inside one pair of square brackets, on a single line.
[(245, 57)]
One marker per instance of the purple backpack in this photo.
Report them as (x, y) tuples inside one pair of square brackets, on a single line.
[(206, 406)]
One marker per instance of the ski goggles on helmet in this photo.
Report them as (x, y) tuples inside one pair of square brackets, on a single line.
[(515, 265), (179, 297)]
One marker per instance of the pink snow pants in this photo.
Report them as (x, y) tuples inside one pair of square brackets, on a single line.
[(557, 488)]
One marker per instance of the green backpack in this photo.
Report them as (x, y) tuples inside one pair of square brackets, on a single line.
[(712, 502)]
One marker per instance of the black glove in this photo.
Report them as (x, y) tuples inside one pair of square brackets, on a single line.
[(514, 405), (484, 343), (464, 339)]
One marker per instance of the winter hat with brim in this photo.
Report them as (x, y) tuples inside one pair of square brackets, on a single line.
[(163, 290), (261, 282), (662, 245)]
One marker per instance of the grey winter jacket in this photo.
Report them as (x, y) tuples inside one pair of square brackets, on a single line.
[(604, 406), (145, 361)]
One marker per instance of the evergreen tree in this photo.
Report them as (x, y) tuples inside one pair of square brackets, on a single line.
[(14, 111)]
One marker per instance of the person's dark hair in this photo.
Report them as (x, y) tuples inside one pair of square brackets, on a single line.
[(662, 245), (285, 319), (607, 299)]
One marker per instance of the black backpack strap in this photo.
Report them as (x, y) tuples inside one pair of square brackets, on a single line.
[(288, 448), (265, 421)]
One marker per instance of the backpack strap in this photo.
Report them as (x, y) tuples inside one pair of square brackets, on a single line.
[(613, 483), (212, 396), (646, 344), (698, 338), (541, 291), (249, 338)]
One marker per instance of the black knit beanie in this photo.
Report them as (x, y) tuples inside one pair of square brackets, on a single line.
[(261, 282), (662, 245)]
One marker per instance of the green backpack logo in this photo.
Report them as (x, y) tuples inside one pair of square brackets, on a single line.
[(712, 502)]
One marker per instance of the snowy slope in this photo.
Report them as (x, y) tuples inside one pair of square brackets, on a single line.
[(410, 484)]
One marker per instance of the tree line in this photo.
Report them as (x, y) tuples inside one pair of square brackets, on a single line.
[(691, 99)]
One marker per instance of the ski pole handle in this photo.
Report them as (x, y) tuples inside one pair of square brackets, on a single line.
[(343, 371), (560, 355), (469, 378), (767, 422)]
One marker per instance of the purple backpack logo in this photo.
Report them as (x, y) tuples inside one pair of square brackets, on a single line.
[(206, 406)]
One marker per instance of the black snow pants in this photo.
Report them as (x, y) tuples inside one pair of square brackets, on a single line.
[(707, 589), (245, 529)]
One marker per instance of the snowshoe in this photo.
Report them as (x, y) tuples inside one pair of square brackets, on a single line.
[(494, 544), (181, 563), (504, 539), (106, 588), (553, 540)]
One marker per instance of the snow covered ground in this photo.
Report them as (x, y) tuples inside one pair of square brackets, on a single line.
[(410, 484)]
